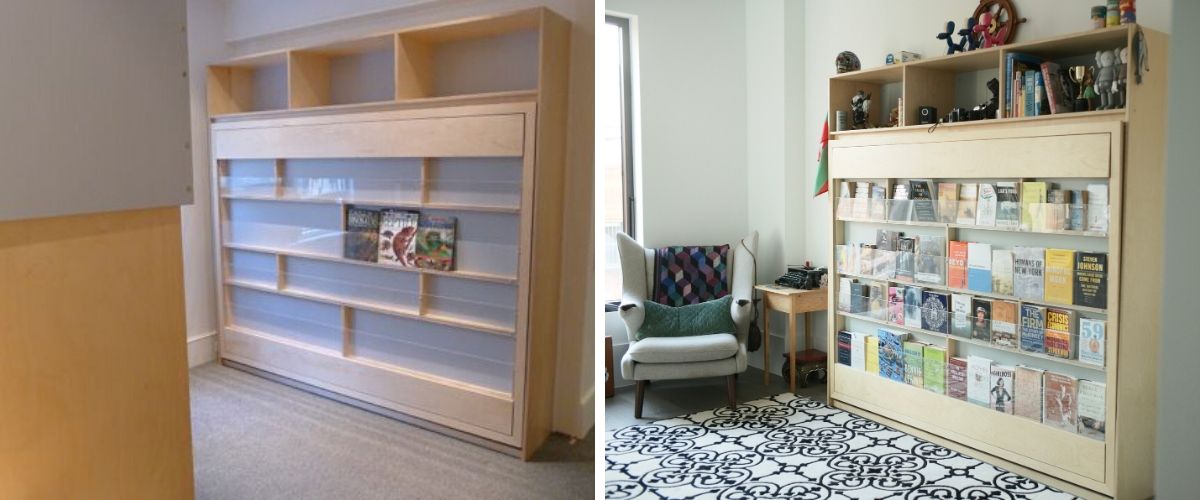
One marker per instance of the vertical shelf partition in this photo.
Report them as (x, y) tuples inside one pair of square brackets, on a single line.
[(386, 122)]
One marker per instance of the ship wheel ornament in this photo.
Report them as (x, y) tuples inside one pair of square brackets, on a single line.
[(997, 22)]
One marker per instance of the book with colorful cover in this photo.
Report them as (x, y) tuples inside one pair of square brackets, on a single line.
[(1014, 64), (934, 369), (935, 309), (1029, 272), (1004, 323), (858, 351), (891, 354), (435, 242), (1033, 194), (1091, 279), (843, 347), (872, 354), (981, 319), (1058, 402), (1030, 89), (979, 267), (1090, 409), (979, 380), (1000, 395), (1033, 328), (985, 211), (896, 305), (1059, 103), (1027, 392), (956, 263), (947, 193), (1060, 276), (1091, 341), (968, 195), (362, 234), (1008, 205), (398, 237), (1059, 323), (1002, 271), (956, 378), (912, 305), (960, 315), (914, 363)]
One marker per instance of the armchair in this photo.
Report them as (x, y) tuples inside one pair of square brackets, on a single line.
[(666, 358)]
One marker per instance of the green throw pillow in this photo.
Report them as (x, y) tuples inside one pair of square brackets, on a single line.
[(684, 321)]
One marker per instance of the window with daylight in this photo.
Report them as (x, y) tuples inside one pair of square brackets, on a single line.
[(614, 144)]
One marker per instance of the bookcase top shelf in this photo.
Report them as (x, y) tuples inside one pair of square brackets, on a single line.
[(1030, 120), (400, 104)]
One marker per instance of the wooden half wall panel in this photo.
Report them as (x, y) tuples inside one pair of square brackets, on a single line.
[(93, 373)]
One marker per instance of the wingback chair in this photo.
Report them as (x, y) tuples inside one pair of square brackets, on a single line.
[(666, 358)]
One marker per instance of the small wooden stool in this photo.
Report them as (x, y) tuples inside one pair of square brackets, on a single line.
[(808, 362)]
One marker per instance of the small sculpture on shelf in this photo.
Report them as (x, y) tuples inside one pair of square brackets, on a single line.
[(1128, 12), (1119, 83), (894, 118), (969, 37), (1081, 77), (948, 36), (860, 109), (993, 33), (987, 110), (1099, 12), (1106, 81), (847, 62)]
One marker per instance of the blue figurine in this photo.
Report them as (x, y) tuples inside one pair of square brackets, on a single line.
[(968, 36), (948, 35)]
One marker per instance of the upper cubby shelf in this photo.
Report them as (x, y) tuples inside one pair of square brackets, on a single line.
[(960, 81), (479, 57)]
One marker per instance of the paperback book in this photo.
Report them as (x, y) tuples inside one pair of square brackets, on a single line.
[(1004, 323), (891, 354), (1028, 272), (872, 353), (860, 295), (979, 267), (1027, 400), (896, 305), (912, 305), (979, 379), (845, 294), (435, 242), (862, 195), (947, 201), (1097, 211), (956, 263), (1077, 213), (362, 234), (914, 363), (845, 205), (956, 378), (878, 203), (935, 310), (1002, 271), (858, 351), (1000, 396), (1058, 403), (981, 319), (968, 196), (1091, 341), (398, 237), (1058, 333), (985, 211), (1008, 205), (931, 259), (1060, 271), (1033, 199), (961, 315), (843, 347), (877, 303), (906, 260), (1033, 328), (901, 205), (934, 370), (922, 197), (1091, 279), (1090, 403)]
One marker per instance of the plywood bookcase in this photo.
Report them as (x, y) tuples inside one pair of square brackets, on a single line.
[(463, 119), (1122, 148)]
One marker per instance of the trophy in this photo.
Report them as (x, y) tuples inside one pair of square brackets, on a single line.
[(1081, 76)]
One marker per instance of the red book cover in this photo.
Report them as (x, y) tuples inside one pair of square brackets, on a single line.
[(957, 261), (956, 378)]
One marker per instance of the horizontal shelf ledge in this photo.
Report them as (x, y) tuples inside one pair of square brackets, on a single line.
[(977, 293), (379, 203), (492, 278), (965, 340), (952, 225), (979, 123), (415, 103), (375, 308)]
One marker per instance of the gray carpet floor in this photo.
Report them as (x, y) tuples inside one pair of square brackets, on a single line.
[(257, 439)]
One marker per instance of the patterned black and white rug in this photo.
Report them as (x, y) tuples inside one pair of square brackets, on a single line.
[(792, 447)]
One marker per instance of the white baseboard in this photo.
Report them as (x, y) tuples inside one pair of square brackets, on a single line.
[(202, 349)]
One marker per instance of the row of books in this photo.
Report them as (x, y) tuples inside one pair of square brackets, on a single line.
[(1061, 333), (1055, 399), (1030, 206), (1050, 275), (400, 237)]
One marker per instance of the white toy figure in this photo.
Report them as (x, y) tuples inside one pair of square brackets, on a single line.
[(1119, 81), (1106, 78)]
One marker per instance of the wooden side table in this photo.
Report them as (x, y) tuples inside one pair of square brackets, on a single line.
[(790, 301)]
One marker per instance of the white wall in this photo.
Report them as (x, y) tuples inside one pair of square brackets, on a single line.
[(231, 28), (1178, 408)]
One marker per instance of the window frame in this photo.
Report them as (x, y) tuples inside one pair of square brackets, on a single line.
[(629, 209)]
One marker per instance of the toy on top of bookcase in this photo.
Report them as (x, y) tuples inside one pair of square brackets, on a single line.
[(998, 22), (1106, 78), (948, 36), (860, 110)]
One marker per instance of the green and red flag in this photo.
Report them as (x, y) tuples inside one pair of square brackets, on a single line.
[(823, 162)]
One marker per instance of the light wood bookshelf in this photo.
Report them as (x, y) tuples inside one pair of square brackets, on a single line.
[(406, 120), (1121, 147)]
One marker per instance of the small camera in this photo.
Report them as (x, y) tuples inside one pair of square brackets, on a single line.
[(928, 115)]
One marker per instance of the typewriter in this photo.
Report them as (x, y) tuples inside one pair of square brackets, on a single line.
[(804, 277)]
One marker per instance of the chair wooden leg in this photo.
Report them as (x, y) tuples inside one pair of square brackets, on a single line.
[(640, 390), (731, 386)]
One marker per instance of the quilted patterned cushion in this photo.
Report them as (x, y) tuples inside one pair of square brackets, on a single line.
[(684, 321), (690, 275)]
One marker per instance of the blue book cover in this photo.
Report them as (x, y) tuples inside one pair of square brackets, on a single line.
[(1030, 93), (935, 312), (979, 267), (891, 354), (843, 347), (1010, 61), (1033, 328)]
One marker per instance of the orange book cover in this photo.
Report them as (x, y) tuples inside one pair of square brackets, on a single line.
[(957, 262)]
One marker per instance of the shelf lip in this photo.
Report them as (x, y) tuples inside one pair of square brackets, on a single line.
[(374, 308), (968, 291), (989, 345), (978, 123), (416, 103), (492, 278), (380, 203), (428, 377), (952, 225)]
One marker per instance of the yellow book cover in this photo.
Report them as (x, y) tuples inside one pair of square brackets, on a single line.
[(1033, 193), (872, 354), (1060, 269)]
